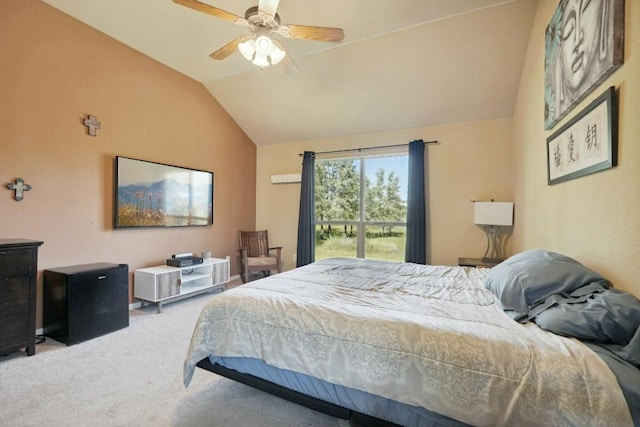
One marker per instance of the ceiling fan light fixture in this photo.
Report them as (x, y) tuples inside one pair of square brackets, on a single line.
[(277, 53), (264, 45), (247, 49), (261, 61), (262, 51)]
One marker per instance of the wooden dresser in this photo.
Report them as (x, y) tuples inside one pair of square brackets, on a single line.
[(18, 274)]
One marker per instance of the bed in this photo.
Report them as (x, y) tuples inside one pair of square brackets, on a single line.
[(414, 345)]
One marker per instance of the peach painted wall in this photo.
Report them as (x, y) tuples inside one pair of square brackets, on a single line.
[(54, 71), (472, 162), (593, 219)]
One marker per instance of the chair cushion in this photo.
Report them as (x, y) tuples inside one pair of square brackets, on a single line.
[(263, 260)]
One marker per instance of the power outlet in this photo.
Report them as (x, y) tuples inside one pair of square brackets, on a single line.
[(295, 257)]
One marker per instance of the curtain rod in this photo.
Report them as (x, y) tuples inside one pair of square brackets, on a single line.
[(369, 148)]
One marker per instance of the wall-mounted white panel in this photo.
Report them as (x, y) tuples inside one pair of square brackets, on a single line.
[(286, 179)]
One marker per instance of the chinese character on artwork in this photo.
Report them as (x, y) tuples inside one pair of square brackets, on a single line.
[(557, 156), (571, 148), (591, 139)]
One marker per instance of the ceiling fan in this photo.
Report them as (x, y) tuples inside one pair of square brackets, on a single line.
[(260, 47)]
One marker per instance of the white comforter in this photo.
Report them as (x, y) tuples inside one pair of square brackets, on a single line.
[(430, 336)]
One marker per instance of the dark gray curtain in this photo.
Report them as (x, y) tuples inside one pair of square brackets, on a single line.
[(416, 244), (306, 253)]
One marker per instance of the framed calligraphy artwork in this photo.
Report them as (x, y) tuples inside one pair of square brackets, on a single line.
[(588, 143), (584, 44)]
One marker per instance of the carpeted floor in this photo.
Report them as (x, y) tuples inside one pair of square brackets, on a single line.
[(133, 377)]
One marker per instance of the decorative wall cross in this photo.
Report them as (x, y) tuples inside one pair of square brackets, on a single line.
[(92, 123), (19, 187)]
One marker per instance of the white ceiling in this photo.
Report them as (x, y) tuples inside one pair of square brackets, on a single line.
[(402, 64)]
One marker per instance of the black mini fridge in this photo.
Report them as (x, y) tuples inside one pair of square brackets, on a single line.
[(85, 301)]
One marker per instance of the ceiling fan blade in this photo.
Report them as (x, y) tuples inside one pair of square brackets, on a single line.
[(268, 7), (289, 65), (211, 10), (229, 48), (323, 34)]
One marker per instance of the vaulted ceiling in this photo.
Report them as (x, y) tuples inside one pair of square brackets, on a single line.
[(402, 63)]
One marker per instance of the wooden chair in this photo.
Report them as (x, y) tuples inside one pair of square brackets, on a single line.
[(256, 255)]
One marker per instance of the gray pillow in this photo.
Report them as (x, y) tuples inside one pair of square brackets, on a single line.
[(525, 280)]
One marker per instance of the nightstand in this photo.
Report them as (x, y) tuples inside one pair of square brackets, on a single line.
[(478, 262)]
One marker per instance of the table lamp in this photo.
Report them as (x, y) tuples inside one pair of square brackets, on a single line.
[(490, 216)]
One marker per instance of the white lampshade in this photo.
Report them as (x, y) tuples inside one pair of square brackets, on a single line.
[(263, 45), (493, 213), (260, 61), (247, 49), (277, 53)]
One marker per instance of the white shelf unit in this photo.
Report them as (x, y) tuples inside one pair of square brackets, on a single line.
[(164, 283)]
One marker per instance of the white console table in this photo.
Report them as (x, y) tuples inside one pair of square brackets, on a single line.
[(164, 283)]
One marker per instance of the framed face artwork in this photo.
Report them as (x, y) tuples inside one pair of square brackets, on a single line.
[(584, 44)]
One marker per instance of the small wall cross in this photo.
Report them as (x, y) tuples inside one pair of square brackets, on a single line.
[(19, 187), (92, 123)]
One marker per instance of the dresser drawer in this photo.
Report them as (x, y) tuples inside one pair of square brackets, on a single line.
[(14, 294), (15, 329), (15, 263)]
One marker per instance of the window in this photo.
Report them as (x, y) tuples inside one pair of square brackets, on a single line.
[(361, 207)]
